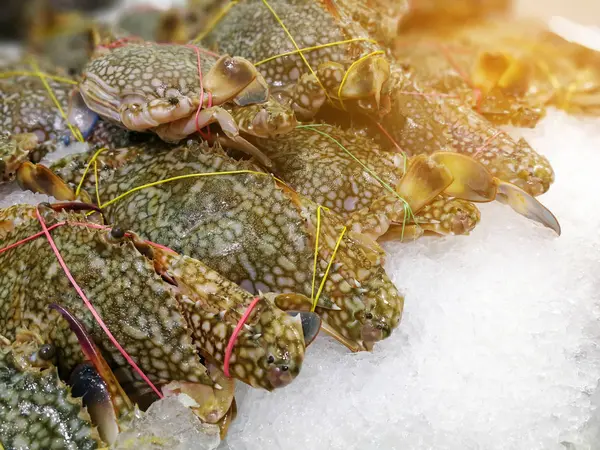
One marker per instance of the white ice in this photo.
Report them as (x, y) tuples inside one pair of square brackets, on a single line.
[(498, 346), (168, 424)]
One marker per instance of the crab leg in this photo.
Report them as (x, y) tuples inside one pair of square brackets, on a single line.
[(474, 183), (180, 129)]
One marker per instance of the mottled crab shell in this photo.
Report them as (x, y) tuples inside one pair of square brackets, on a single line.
[(316, 166), (27, 107), (424, 124), (116, 271), (248, 228), (38, 411), (144, 85), (311, 23)]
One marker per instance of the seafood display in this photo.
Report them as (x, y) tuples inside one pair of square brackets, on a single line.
[(237, 166), (247, 226)]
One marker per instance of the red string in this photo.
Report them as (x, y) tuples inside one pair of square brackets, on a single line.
[(389, 136), (235, 333), (486, 143), (200, 78), (91, 307), (46, 231), (119, 42)]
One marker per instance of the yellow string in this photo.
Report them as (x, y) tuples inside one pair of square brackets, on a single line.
[(214, 21), (312, 295), (180, 177), (33, 74), (335, 249), (377, 52), (96, 178), (85, 172), (296, 45), (316, 47), (407, 209), (73, 129)]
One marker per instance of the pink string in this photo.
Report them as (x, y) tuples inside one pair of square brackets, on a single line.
[(235, 333), (486, 143), (476, 91), (200, 78), (46, 231), (119, 42), (30, 238), (389, 136)]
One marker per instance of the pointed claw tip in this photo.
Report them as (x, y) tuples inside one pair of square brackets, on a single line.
[(311, 324)]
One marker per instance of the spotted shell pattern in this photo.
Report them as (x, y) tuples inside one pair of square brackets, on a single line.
[(37, 410), (245, 227)]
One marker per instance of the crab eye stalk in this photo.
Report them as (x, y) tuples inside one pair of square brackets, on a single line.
[(47, 352)]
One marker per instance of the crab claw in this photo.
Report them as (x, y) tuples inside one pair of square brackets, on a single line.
[(180, 129), (266, 120), (228, 78), (310, 322), (526, 205), (471, 180), (423, 181), (95, 382), (210, 403), (37, 178), (365, 78)]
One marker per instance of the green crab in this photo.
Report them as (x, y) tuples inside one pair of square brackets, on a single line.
[(28, 105), (175, 91), (424, 123), (187, 307), (350, 73), (246, 225), (37, 409), (387, 91), (368, 187)]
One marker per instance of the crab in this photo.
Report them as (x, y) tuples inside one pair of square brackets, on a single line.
[(535, 66), (495, 88), (422, 123), (246, 225), (369, 187), (37, 408), (187, 307), (42, 404), (27, 106), (351, 73), (175, 91), (419, 122)]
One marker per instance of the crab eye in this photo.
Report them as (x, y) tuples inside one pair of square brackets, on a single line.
[(271, 359), (369, 315), (47, 352), (117, 233)]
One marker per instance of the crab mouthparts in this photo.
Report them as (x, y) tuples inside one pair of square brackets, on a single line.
[(280, 376)]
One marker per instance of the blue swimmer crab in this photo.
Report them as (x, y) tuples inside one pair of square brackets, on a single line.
[(368, 187), (187, 307), (249, 227), (393, 93), (350, 73), (175, 91)]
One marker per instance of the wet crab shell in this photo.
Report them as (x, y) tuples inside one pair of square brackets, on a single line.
[(248, 227), (161, 333)]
